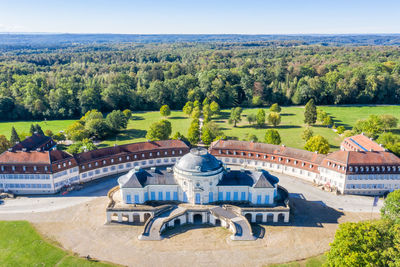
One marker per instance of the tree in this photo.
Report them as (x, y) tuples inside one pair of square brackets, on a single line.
[(81, 146), (116, 121), (272, 137), (307, 134), (48, 133), (256, 101), (275, 108), (252, 138), (77, 132), (321, 115), (251, 118), (236, 116), (317, 144), (188, 108), (14, 136), (159, 130), (260, 118), (215, 108), (310, 112), (59, 137), (274, 118), (4, 144), (207, 113), (206, 136), (98, 128), (371, 126), (340, 129), (194, 132), (32, 129), (38, 129), (388, 121), (391, 207), (328, 121), (127, 113), (368, 243), (179, 136), (165, 111), (92, 115)]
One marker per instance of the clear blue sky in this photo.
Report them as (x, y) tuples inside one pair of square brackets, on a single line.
[(201, 16)]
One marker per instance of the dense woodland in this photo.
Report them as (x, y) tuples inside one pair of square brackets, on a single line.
[(67, 81)]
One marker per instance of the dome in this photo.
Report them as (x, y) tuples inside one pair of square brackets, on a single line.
[(198, 160)]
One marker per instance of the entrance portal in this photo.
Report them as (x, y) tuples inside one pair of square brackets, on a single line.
[(197, 219)]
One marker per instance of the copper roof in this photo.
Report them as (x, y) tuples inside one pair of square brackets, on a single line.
[(362, 143)]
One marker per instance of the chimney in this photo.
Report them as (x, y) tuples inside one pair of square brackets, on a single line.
[(169, 169), (24, 149), (38, 149), (10, 150), (242, 170), (137, 168), (153, 169)]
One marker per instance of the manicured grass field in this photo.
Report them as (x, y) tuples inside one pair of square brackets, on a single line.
[(23, 126), (21, 245), (290, 129), (310, 262)]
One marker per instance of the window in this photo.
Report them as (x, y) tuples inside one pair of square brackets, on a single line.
[(266, 201), (175, 196), (228, 196), (236, 196), (160, 195), (34, 168), (128, 199), (152, 195), (24, 168), (167, 195), (220, 196), (104, 162), (210, 197), (185, 197), (146, 196), (258, 199), (243, 196)]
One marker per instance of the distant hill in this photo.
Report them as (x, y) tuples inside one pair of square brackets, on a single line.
[(46, 40)]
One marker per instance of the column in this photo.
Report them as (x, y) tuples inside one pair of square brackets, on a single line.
[(253, 217), (119, 217), (130, 217), (141, 217), (286, 219), (183, 219), (190, 219), (275, 217), (109, 217), (212, 219), (205, 217), (264, 217)]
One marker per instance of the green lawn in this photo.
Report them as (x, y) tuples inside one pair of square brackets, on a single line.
[(23, 126), (290, 129), (21, 245), (310, 262)]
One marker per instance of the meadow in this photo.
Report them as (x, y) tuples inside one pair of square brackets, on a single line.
[(290, 129), (21, 245)]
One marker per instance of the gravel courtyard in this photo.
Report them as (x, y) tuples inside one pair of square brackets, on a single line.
[(77, 223)]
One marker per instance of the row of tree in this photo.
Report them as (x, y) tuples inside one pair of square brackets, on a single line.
[(66, 83)]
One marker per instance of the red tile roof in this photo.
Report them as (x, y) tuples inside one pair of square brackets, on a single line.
[(360, 143), (21, 157), (33, 142), (129, 148)]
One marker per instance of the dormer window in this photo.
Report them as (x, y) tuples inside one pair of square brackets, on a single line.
[(158, 153), (362, 169), (24, 168), (83, 167), (311, 166), (377, 169), (372, 168), (104, 162), (127, 158), (69, 163), (142, 155), (265, 156), (257, 155), (356, 168), (45, 168), (220, 151), (367, 168), (34, 168), (234, 152), (64, 164), (90, 165), (112, 160), (287, 160), (329, 164), (351, 169), (150, 154), (173, 152), (272, 157), (303, 164), (333, 165), (135, 156), (120, 159), (59, 166), (280, 159), (295, 162), (249, 154), (180, 151), (394, 168), (242, 153), (96, 164), (166, 153), (2, 168)]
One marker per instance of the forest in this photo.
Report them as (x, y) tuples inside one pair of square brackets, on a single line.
[(65, 81)]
